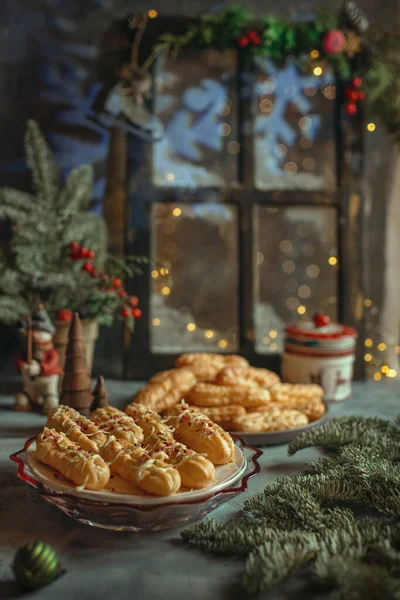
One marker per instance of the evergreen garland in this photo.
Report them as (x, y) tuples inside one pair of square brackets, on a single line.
[(375, 59), (310, 522)]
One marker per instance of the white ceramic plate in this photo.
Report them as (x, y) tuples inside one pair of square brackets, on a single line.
[(120, 491)]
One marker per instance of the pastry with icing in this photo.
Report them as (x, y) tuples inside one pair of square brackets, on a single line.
[(149, 420), (148, 470), (77, 428), (112, 421), (86, 469), (199, 433)]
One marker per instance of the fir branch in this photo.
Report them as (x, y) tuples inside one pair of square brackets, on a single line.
[(15, 204), (75, 195), (44, 169)]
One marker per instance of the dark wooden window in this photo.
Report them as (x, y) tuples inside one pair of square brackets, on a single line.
[(249, 208)]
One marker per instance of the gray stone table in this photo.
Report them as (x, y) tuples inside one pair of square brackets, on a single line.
[(103, 564)]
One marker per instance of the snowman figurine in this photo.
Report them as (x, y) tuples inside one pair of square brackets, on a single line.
[(40, 365)]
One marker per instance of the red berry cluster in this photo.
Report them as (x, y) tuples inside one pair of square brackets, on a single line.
[(252, 38), (111, 285), (353, 95)]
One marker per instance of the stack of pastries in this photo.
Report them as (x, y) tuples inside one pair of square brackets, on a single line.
[(151, 454), (236, 396)]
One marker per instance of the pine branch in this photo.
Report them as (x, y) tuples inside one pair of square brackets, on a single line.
[(273, 562), (10, 306), (75, 195), (44, 169), (15, 204)]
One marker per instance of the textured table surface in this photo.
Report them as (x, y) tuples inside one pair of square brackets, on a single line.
[(102, 564)]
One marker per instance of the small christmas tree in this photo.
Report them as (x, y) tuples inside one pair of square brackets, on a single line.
[(76, 385), (100, 395)]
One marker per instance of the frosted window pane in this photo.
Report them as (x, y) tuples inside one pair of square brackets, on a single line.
[(293, 128), (195, 100), (194, 290), (295, 256)]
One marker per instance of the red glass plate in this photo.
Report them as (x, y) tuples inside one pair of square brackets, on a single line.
[(139, 517)]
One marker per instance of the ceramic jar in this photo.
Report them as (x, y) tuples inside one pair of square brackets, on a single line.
[(320, 352)]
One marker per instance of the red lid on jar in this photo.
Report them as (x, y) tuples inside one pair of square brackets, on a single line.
[(321, 328)]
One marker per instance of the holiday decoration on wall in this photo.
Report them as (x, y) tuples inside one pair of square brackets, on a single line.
[(76, 385), (35, 565), (39, 365), (344, 42), (57, 254), (319, 519)]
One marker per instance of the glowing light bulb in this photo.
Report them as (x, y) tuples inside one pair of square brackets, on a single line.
[(377, 376), (191, 326), (273, 334), (371, 127), (209, 334), (367, 302), (317, 71), (382, 347), (154, 274), (368, 343), (332, 260), (166, 291), (153, 14), (314, 54), (368, 357), (177, 212), (222, 343), (385, 369), (392, 373), (274, 347), (170, 176), (301, 309), (156, 322)]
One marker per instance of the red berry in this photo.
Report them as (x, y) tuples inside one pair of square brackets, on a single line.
[(117, 282), (356, 82), (91, 254), (321, 320), (84, 252), (74, 247), (243, 41), (360, 96), (126, 312), (122, 293), (254, 38), (87, 266), (137, 313), (351, 95), (351, 108), (133, 301), (64, 315), (94, 273)]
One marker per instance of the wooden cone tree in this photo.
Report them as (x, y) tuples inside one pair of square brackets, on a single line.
[(76, 385), (100, 395)]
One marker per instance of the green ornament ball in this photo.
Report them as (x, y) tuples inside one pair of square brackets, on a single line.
[(36, 564)]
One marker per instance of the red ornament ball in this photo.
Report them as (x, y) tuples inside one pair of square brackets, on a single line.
[(122, 293), (243, 41), (117, 282), (84, 252), (351, 108), (321, 320), (356, 82), (74, 247), (133, 301), (137, 313), (333, 41), (126, 312), (88, 267), (64, 315), (254, 38), (91, 254)]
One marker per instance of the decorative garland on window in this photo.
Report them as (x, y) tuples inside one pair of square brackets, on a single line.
[(361, 56)]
